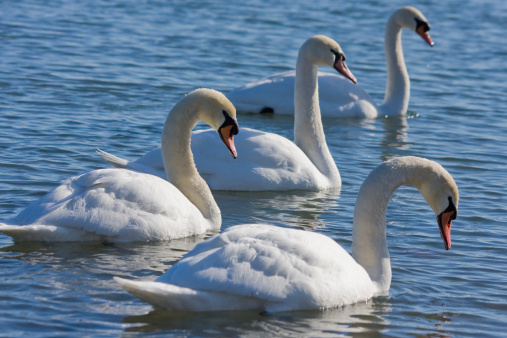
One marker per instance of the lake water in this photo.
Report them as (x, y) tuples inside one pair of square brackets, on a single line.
[(77, 75)]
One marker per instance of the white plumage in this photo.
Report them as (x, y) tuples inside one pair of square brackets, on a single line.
[(268, 268), (259, 267), (114, 205), (339, 97), (120, 205), (269, 161)]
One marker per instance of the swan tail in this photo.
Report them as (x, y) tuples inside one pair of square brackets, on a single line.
[(27, 233), (112, 159), (50, 233), (176, 298)]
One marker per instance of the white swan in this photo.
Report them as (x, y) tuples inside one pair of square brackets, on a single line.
[(119, 205), (338, 97), (268, 268), (269, 161)]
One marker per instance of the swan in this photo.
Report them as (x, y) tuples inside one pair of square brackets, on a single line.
[(269, 161), (269, 268), (338, 97), (120, 205)]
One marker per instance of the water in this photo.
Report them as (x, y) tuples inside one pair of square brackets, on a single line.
[(79, 75)]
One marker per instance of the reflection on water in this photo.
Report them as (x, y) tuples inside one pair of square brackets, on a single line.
[(125, 259), (364, 318), (395, 137), (299, 209)]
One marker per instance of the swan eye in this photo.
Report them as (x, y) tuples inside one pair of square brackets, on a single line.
[(451, 208), (420, 23), (338, 55), (230, 121)]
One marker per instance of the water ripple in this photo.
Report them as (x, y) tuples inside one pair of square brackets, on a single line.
[(80, 75)]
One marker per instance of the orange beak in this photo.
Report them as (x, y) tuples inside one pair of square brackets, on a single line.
[(342, 68), (227, 136), (444, 224), (425, 35)]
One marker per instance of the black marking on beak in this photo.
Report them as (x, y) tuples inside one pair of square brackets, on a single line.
[(444, 220), (341, 67), (420, 23), (452, 207), (228, 122), (227, 131), (338, 55)]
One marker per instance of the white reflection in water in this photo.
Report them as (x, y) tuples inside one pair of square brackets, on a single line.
[(359, 318), (395, 134), (298, 209)]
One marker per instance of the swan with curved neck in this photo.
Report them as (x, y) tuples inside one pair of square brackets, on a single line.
[(397, 93), (339, 98), (119, 205), (268, 268), (269, 161)]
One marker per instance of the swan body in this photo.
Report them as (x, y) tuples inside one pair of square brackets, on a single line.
[(269, 268), (338, 97), (269, 161), (109, 205), (120, 205), (273, 163)]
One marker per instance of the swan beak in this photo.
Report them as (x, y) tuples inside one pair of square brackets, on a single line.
[(227, 135), (425, 35), (342, 68), (444, 224)]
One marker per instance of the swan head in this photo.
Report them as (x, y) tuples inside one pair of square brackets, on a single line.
[(413, 19), (219, 113), (441, 193), (324, 51)]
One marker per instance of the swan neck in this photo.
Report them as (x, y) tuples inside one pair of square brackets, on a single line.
[(308, 130), (397, 94), (179, 162), (369, 244)]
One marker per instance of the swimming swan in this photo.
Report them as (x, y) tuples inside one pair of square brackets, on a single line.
[(268, 268), (338, 97), (119, 205), (269, 161)]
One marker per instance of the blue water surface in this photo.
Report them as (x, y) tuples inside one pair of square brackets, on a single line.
[(80, 75)]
